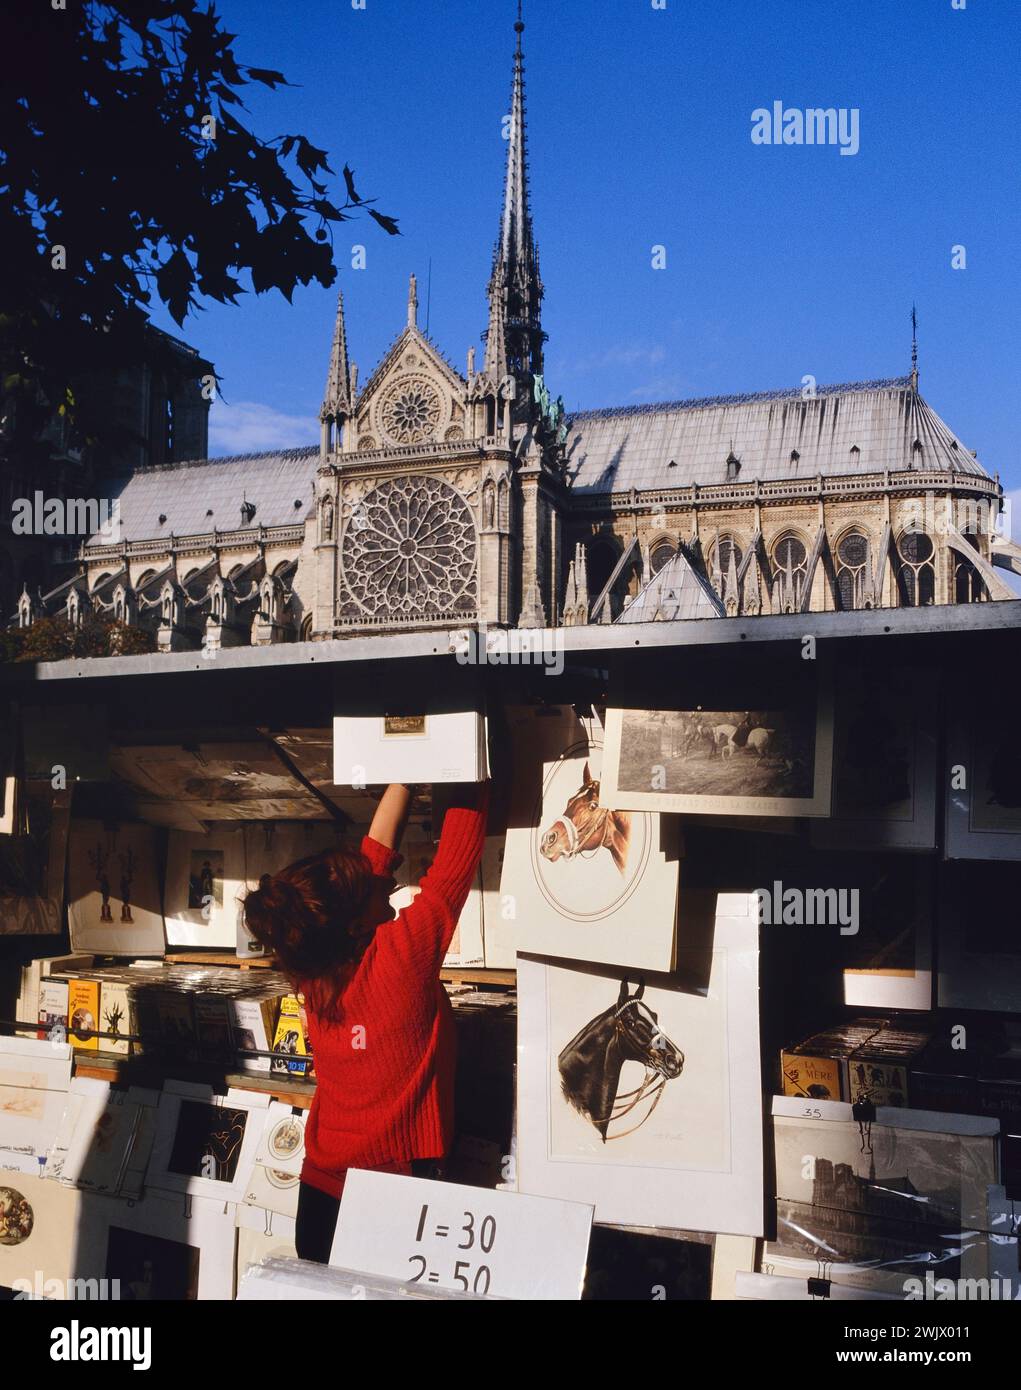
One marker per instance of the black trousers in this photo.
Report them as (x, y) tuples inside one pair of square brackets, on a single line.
[(316, 1222)]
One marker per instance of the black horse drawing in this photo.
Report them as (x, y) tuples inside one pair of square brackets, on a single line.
[(590, 1064)]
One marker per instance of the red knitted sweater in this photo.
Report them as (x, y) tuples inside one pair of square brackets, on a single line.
[(385, 1070)]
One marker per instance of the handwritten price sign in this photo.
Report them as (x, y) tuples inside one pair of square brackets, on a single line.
[(466, 1239)]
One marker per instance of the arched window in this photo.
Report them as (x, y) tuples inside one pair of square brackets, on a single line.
[(854, 571), (720, 557), (790, 571), (602, 556), (916, 570), (969, 586), (661, 553)]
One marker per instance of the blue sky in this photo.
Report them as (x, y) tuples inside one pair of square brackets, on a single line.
[(781, 261)]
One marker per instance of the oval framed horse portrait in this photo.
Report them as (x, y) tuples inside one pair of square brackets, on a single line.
[(587, 861)]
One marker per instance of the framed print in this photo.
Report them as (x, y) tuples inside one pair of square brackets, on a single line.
[(114, 903), (29, 1125), (759, 762), (206, 1143), (239, 781), (205, 878), (586, 882), (37, 1063), (39, 1235), (870, 1205), (983, 780), (161, 1248), (978, 936), (640, 1093), (888, 959), (885, 743), (32, 871)]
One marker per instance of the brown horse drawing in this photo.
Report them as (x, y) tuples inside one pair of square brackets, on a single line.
[(586, 827)]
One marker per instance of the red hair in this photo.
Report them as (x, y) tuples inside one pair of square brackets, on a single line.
[(305, 914)]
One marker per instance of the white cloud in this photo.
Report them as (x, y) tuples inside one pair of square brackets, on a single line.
[(246, 427), (621, 356)]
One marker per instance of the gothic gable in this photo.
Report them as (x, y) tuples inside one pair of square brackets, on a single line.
[(413, 397)]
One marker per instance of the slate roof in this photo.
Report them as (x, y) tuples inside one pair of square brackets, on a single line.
[(632, 446), (674, 592), (186, 492)]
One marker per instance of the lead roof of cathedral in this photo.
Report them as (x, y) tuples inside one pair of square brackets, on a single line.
[(202, 494), (864, 427)]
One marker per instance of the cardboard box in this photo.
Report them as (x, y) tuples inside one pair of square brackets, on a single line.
[(817, 1068)]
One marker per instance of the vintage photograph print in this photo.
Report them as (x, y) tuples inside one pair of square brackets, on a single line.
[(721, 762)]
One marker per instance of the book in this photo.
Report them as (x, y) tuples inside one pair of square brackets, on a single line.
[(291, 1038), (83, 1014), (53, 1010)]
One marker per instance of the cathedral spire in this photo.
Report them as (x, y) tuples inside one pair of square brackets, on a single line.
[(337, 396), (914, 349), (514, 337)]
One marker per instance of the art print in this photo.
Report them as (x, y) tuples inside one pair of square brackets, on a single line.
[(150, 1268), (114, 899), (204, 882), (884, 763), (888, 961), (909, 1189), (639, 1091), (208, 1141), (206, 1144), (39, 1234), (205, 879), (586, 882), (983, 805), (757, 762), (644, 1079)]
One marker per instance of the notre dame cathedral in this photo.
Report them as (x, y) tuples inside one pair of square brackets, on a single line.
[(446, 497)]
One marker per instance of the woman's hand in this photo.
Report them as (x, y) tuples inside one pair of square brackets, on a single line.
[(391, 815)]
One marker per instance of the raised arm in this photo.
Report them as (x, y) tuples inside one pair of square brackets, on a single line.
[(420, 936), (391, 816)]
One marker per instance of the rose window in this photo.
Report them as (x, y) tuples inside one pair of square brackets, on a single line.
[(408, 554), (410, 411)]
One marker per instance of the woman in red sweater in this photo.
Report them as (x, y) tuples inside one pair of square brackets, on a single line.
[(380, 1024)]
